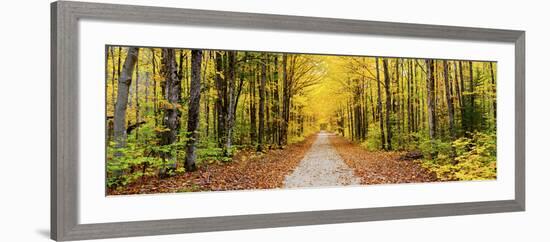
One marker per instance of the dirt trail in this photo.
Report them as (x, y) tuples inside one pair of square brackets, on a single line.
[(321, 166)]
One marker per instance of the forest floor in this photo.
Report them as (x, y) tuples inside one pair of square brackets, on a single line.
[(247, 170), (321, 166), (380, 167), (321, 160)]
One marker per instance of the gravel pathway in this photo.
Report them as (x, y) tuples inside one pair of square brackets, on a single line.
[(321, 166)]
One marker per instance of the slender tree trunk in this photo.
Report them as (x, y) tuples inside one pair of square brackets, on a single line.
[(118, 74), (380, 118), (110, 122), (155, 95), (494, 88), (147, 84), (457, 84), (262, 105), (206, 57), (113, 96), (229, 120), (137, 98), (286, 102), (450, 105), (472, 111), (430, 83), (465, 100), (276, 106), (252, 89), (221, 102), (365, 109), (194, 111), (373, 108), (388, 103), (410, 120), (417, 107)]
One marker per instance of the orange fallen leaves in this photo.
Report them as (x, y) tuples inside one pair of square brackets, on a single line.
[(379, 167), (248, 170)]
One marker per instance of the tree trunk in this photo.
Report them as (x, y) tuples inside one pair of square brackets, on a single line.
[(457, 84), (430, 85), (450, 105), (124, 82), (221, 102), (410, 119), (194, 111), (380, 118), (113, 96), (472, 111), (261, 112), (252, 89), (172, 114), (137, 97), (276, 107), (388, 103), (118, 64), (494, 88), (229, 119), (286, 102), (155, 95)]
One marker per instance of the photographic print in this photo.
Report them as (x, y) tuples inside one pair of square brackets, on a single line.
[(194, 120)]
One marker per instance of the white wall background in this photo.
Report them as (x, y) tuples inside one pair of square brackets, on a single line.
[(24, 120)]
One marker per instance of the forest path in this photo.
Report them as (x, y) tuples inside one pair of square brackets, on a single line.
[(321, 166)]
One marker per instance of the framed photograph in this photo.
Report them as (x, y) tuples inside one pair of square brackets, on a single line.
[(169, 120)]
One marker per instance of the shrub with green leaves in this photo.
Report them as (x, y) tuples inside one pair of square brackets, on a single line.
[(467, 158)]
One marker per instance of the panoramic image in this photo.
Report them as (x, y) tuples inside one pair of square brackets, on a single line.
[(195, 120)]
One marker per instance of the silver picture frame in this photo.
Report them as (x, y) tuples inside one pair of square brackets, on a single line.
[(65, 16)]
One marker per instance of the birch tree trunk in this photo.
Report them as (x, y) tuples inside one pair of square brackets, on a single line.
[(124, 82)]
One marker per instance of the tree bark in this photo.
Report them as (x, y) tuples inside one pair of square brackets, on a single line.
[(137, 97), (276, 107), (252, 90), (229, 119), (124, 82), (450, 105), (261, 112), (388, 103), (286, 102), (430, 85), (410, 120), (171, 108), (457, 84), (221, 100), (472, 126), (494, 88), (379, 106), (194, 111)]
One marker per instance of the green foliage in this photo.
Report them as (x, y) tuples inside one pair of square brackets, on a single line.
[(467, 158), (373, 142), (128, 164), (211, 153)]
